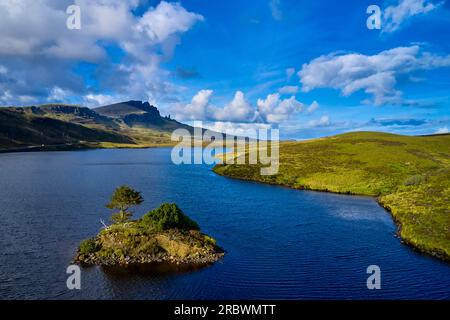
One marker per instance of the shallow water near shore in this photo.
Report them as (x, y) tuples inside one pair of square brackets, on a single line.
[(280, 243)]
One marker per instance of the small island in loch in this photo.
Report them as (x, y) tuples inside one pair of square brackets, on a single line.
[(162, 236)]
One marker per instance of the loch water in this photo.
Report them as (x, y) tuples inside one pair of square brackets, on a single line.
[(280, 243)]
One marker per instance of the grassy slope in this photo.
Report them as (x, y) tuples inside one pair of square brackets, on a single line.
[(19, 129), (75, 114), (138, 137), (410, 175), (54, 125)]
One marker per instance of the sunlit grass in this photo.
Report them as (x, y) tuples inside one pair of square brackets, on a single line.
[(410, 175)]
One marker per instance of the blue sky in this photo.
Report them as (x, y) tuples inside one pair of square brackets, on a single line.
[(308, 68)]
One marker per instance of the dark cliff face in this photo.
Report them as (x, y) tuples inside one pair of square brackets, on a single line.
[(134, 113), (144, 106), (123, 109), (151, 115), (145, 118)]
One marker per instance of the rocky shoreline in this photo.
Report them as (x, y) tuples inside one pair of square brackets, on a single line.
[(204, 258), (149, 260)]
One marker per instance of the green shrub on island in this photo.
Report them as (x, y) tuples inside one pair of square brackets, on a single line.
[(88, 246), (169, 216)]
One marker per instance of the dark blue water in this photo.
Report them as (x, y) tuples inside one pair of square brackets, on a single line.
[(281, 243)]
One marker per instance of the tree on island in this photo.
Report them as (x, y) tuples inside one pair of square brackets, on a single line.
[(123, 199)]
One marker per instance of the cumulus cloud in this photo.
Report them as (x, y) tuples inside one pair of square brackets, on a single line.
[(271, 110), (394, 16), (165, 20), (197, 109), (376, 74), (35, 41), (101, 20), (238, 110), (201, 108)]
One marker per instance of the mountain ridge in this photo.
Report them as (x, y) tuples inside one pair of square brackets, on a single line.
[(133, 122), (117, 110)]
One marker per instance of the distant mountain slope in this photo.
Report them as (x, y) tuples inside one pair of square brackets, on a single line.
[(20, 128), (71, 113), (140, 114), (132, 123), (121, 109)]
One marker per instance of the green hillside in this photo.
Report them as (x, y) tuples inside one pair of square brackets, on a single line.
[(409, 175), (22, 129), (125, 124), (72, 113)]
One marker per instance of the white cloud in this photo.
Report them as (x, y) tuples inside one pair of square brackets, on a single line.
[(197, 109), (272, 109), (442, 130), (313, 107), (376, 74), (101, 20), (35, 38), (394, 16), (166, 19), (58, 95), (289, 90), (200, 108), (238, 110), (97, 100), (40, 34)]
